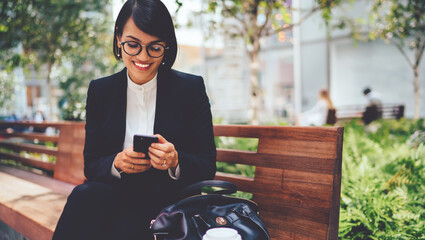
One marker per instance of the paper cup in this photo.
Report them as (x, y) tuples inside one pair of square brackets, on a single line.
[(222, 234)]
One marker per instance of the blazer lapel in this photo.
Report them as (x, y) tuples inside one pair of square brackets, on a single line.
[(166, 107), (121, 106), (161, 104)]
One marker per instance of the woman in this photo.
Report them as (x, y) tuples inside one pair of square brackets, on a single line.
[(126, 189), (318, 115)]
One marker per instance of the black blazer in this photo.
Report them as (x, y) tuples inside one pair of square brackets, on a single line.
[(182, 116)]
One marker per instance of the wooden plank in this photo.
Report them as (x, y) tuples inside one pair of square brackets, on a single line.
[(70, 162), (43, 124), (30, 136), (296, 193), (336, 191), (29, 208), (28, 161), (28, 227), (280, 235), (284, 226), (29, 148), (300, 163), (45, 181), (310, 194), (281, 207), (248, 184), (302, 148), (243, 183), (325, 134), (307, 177)]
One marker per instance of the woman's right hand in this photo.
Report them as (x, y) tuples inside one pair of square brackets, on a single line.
[(130, 161)]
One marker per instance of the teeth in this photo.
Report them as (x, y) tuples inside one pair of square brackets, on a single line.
[(141, 65)]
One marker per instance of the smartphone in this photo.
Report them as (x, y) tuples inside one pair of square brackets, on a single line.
[(141, 143)]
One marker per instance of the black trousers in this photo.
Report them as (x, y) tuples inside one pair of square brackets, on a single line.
[(97, 210)]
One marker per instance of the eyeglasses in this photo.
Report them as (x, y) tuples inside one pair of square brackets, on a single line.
[(154, 50)]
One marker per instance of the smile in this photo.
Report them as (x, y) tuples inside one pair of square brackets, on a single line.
[(142, 66)]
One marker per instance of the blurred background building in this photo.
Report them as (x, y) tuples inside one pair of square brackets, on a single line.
[(294, 65)]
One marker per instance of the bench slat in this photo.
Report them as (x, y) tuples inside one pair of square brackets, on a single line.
[(29, 147), (302, 210), (323, 134), (297, 228), (307, 164), (31, 136), (243, 183), (28, 161), (44, 124)]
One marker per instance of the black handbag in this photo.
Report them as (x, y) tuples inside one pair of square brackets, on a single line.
[(191, 217)]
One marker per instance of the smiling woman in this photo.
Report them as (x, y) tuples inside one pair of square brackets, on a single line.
[(126, 189), (142, 64)]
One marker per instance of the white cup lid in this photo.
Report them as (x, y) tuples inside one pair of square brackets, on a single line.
[(221, 234)]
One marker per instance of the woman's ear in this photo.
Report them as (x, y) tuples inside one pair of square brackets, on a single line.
[(118, 42)]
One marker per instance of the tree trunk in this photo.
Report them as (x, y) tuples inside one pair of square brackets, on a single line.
[(416, 89), (255, 88), (49, 91)]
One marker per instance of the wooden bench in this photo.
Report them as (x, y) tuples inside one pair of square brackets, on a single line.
[(296, 184), (389, 111), (32, 203)]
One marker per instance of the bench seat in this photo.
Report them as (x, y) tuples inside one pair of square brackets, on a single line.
[(31, 203)]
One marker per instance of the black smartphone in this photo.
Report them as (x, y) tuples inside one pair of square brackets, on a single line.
[(141, 143)]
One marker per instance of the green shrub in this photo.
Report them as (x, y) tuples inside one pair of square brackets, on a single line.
[(383, 178), (383, 181)]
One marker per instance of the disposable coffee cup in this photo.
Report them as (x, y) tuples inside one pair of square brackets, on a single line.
[(222, 234)]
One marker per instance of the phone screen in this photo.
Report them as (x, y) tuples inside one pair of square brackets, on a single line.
[(141, 143)]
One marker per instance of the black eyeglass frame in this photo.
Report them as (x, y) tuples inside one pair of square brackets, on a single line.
[(146, 46)]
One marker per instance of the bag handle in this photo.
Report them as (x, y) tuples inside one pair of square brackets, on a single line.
[(228, 187)]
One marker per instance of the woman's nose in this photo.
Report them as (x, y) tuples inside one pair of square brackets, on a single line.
[(143, 55)]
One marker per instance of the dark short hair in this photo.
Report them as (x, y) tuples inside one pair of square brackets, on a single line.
[(153, 18), (366, 91)]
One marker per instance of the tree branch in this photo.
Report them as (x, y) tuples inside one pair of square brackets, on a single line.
[(268, 13), (400, 48), (290, 26), (421, 51)]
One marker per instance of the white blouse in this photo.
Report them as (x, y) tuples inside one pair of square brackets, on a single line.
[(140, 115)]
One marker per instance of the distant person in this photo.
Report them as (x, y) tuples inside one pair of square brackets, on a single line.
[(373, 109), (39, 117), (318, 115)]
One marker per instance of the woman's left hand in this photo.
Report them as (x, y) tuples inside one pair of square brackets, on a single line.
[(163, 154)]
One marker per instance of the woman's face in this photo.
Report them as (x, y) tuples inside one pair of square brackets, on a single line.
[(141, 67)]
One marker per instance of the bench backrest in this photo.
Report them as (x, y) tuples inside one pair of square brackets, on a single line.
[(390, 111), (68, 136), (297, 178)]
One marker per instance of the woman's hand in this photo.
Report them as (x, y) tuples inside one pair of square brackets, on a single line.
[(130, 161), (163, 154)]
